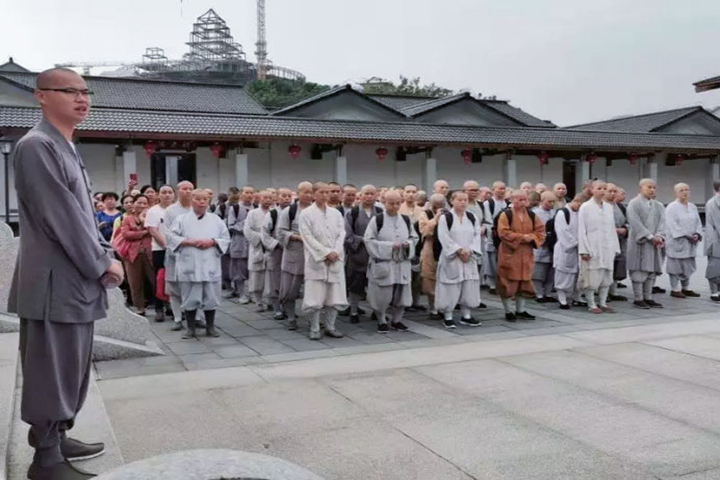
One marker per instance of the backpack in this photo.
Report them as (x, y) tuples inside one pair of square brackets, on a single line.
[(292, 213), (356, 211), (437, 246), (381, 220), (551, 237), (509, 214), (273, 220)]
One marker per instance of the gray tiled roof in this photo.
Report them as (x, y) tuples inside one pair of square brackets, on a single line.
[(516, 113), (400, 102), (711, 80), (141, 94), (408, 133), (329, 93), (650, 122)]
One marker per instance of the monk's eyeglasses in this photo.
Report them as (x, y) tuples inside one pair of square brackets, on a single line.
[(70, 91)]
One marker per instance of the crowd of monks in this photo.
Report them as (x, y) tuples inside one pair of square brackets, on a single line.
[(330, 247)]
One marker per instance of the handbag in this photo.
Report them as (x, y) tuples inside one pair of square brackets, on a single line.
[(160, 286), (119, 244)]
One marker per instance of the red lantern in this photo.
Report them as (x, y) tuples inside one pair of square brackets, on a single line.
[(679, 160), (466, 156), (544, 158), (591, 157), (633, 159), (150, 148), (294, 151), (217, 150), (381, 153)]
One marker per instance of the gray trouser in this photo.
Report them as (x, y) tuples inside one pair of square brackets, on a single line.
[(643, 290), (56, 362), (330, 316)]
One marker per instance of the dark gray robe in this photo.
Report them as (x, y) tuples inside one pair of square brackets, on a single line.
[(646, 219), (357, 255), (620, 266)]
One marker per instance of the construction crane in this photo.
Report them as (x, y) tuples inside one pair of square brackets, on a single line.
[(261, 52)]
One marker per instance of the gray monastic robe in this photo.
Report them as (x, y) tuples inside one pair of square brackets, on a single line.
[(478, 209), (543, 254), (357, 255), (171, 214), (646, 219), (387, 267), (273, 254), (620, 265), (712, 239), (292, 266), (239, 247), (252, 230)]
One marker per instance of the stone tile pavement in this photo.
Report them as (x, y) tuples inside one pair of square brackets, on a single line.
[(248, 337)]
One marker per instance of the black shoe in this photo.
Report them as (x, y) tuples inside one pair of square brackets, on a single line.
[(355, 318), (470, 322), (617, 298), (457, 307), (383, 328), (419, 308), (564, 306), (439, 316), (653, 304), (492, 291), (657, 290), (551, 300), (510, 317), (399, 326), (60, 471), (540, 299), (690, 293), (373, 317), (344, 313), (715, 298), (449, 324), (75, 450), (280, 316), (482, 305), (621, 285), (525, 316), (177, 326), (641, 305), (577, 303)]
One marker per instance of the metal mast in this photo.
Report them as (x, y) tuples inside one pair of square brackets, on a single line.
[(261, 44)]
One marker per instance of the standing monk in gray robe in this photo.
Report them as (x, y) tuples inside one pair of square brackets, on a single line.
[(712, 242), (646, 239), (493, 207), (390, 240), (199, 239), (274, 252), (612, 196), (58, 285), (292, 268), (544, 272), (356, 222), (257, 260), (239, 248), (684, 232), (172, 287)]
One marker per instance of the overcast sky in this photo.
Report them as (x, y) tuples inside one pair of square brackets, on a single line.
[(568, 61)]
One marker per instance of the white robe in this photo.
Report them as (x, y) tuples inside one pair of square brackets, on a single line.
[(681, 220), (458, 282), (565, 254), (252, 229), (323, 232), (387, 267), (194, 264), (597, 237)]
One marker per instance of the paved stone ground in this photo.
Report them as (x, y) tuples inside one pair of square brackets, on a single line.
[(627, 403), (248, 337)]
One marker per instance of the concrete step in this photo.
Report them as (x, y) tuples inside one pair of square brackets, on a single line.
[(8, 378), (92, 425)]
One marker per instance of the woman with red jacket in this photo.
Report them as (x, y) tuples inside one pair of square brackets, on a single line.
[(138, 260)]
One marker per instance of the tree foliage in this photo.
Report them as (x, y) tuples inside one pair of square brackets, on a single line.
[(406, 86), (279, 93)]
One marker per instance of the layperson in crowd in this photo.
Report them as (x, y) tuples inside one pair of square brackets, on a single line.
[(335, 195), (390, 240), (493, 206), (646, 217), (239, 249), (520, 231), (257, 262), (154, 222), (612, 197), (323, 232), (106, 218), (560, 191), (199, 238), (356, 222), (292, 268), (544, 272), (410, 209), (712, 242), (274, 252), (565, 255), (428, 263), (458, 279), (172, 287), (151, 195), (598, 247), (61, 253), (684, 232), (138, 261)]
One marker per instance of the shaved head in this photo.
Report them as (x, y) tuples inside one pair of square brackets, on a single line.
[(393, 195), (437, 200), (55, 77)]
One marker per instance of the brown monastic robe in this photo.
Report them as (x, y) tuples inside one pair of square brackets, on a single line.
[(515, 258)]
